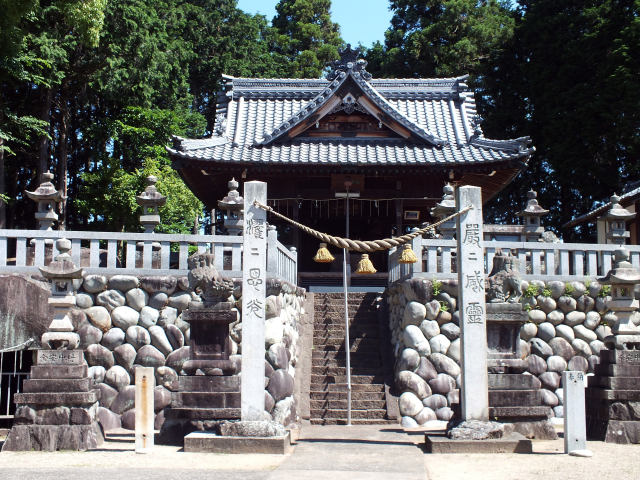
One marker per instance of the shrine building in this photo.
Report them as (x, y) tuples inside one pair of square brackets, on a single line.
[(391, 143)]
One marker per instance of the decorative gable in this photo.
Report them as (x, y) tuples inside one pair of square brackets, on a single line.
[(350, 107)]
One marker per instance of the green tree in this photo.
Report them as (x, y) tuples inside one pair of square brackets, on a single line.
[(441, 37), (569, 80), (138, 138), (306, 39), (224, 40)]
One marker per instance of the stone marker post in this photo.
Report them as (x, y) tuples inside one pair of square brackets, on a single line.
[(575, 428), (145, 383), (254, 280), (474, 397)]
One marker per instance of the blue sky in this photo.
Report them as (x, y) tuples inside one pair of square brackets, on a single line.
[(361, 21)]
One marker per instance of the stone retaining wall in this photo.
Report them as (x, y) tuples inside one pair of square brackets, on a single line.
[(566, 328), (125, 321)]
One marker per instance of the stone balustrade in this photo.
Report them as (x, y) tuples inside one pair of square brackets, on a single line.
[(112, 253), (538, 260)]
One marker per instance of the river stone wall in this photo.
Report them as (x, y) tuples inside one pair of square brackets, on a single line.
[(566, 328), (126, 321)]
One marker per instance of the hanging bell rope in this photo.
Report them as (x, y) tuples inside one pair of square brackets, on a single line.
[(360, 245)]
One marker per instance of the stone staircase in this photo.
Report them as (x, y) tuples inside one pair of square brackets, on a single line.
[(328, 394)]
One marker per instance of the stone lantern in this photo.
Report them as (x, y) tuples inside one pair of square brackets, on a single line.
[(623, 278), (613, 394), (57, 407), (617, 218), (531, 217), (61, 273), (232, 205), (47, 198), (446, 207), (150, 200)]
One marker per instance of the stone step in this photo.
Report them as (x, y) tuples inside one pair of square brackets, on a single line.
[(206, 399), (341, 363), (57, 385), (613, 370), (350, 295), (342, 404), (354, 421), (380, 413), (338, 323), (207, 383), (504, 413), (354, 342), (321, 379), (360, 387), (322, 328), (517, 381), (616, 383), (358, 345), (359, 358), (355, 395), (512, 398), (334, 370), (202, 413), (59, 371)]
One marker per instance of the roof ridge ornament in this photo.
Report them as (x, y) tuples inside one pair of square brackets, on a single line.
[(349, 62)]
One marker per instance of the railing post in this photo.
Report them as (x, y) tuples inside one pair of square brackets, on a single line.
[(294, 273), (416, 246), (272, 250)]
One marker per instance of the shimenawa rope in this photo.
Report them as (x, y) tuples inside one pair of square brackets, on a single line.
[(360, 245)]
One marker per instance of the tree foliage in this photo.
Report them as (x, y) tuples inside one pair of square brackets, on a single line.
[(569, 79), (564, 73), (306, 39), (441, 37)]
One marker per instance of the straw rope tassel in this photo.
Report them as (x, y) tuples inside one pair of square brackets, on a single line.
[(407, 255), (365, 265), (323, 255)]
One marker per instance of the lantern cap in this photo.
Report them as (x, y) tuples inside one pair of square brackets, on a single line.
[(623, 272)]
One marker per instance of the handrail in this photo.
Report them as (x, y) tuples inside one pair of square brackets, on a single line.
[(550, 261), (111, 253)]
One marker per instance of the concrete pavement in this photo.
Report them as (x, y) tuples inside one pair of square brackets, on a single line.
[(326, 452)]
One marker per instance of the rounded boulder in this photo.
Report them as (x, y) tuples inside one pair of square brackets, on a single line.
[(444, 364), (414, 314), (117, 377), (97, 354), (409, 404), (150, 356), (99, 317), (409, 381), (124, 317)]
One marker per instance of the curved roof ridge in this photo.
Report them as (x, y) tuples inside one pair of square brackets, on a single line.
[(358, 74), (520, 144)]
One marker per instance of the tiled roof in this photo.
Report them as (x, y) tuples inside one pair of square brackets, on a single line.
[(256, 114), (626, 199)]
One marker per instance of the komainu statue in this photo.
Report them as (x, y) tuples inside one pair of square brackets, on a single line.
[(504, 282)]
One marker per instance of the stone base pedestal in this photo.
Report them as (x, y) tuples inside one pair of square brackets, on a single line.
[(201, 403), (210, 442), (516, 399), (57, 408), (513, 443), (613, 398)]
